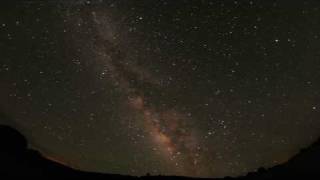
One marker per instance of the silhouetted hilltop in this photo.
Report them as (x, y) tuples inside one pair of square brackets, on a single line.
[(305, 164), (16, 160)]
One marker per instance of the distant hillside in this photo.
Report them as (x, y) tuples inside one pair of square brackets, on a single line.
[(16, 160)]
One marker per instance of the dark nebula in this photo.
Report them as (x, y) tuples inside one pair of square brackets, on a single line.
[(193, 88)]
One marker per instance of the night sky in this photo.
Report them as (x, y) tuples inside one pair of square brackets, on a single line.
[(194, 88)]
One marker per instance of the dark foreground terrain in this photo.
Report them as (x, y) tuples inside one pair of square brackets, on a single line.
[(16, 160)]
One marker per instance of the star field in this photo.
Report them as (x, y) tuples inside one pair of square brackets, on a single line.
[(191, 88)]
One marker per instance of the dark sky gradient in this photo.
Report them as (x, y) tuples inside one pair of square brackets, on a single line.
[(194, 88)]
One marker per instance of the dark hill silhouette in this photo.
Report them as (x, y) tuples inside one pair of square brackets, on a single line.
[(16, 160)]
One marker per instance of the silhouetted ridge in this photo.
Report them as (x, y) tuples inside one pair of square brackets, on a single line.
[(12, 140), (16, 160)]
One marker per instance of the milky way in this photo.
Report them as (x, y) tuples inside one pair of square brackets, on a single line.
[(191, 88), (166, 127)]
